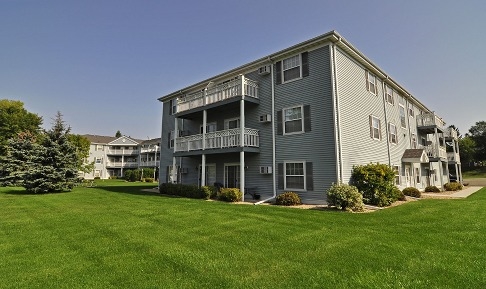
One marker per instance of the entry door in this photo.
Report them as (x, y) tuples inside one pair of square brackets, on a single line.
[(210, 178), (408, 176), (231, 176), (427, 176)]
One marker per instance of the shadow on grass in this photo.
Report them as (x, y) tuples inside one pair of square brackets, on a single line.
[(132, 190)]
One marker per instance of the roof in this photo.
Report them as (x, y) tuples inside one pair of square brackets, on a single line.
[(101, 139), (329, 37), (415, 156), (151, 141)]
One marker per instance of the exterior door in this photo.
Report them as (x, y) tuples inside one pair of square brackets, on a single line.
[(408, 176), (231, 176), (427, 177)]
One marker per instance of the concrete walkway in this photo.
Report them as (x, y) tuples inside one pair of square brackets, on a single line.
[(464, 193)]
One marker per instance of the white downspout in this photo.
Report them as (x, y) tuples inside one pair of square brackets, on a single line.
[(386, 123), (337, 130), (274, 162)]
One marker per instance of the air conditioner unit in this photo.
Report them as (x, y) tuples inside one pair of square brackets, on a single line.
[(264, 70), (266, 118), (265, 169)]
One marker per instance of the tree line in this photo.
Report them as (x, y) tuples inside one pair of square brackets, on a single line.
[(472, 146), (39, 160)]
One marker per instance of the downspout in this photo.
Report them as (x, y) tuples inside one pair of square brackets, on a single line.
[(274, 162), (160, 144), (386, 123), (337, 128)]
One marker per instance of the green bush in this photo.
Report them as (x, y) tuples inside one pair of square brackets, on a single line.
[(400, 196), (188, 191), (288, 199), (148, 180), (376, 182), (97, 178), (432, 189), (113, 177), (209, 192), (412, 192), (453, 186), (230, 195), (345, 197)]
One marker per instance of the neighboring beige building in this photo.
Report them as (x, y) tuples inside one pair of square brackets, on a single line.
[(114, 155)]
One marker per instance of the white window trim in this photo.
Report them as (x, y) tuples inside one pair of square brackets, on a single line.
[(285, 176), (283, 70), (390, 133), (418, 176), (379, 127), (171, 139), (226, 122), (368, 82), (302, 120), (173, 106), (397, 174), (392, 95), (411, 111), (405, 115)]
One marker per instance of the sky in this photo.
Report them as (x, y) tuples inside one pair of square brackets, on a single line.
[(104, 63)]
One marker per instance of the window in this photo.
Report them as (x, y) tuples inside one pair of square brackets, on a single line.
[(375, 127), (99, 147), (389, 95), (392, 133), (411, 111), (210, 127), (232, 123), (417, 175), (293, 120), (291, 68), (171, 139), (97, 173), (98, 160), (414, 141), (295, 176), (371, 82), (397, 175), (403, 121), (173, 106), (424, 141)]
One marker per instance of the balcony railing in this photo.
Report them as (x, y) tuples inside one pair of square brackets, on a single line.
[(149, 164), (121, 164), (122, 152), (453, 157), (450, 133), (218, 93), (149, 150), (432, 152), (429, 119), (218, 139)]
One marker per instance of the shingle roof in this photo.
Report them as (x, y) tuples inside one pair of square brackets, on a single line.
[(99, 139), (412, 153)]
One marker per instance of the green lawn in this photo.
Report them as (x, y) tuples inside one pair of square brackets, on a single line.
[(473, 174), (115, 236)]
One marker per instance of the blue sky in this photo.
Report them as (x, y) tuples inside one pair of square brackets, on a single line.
[(104, 63)]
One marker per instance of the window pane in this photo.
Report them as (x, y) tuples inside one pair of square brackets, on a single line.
[(292, 73), (293, 126), (295, 182)]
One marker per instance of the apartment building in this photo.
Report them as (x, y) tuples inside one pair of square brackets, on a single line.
[(299, 120), (114, 155)]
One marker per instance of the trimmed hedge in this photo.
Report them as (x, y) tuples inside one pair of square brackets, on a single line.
[(288, 199), (432, 189), (453, 186), (376, 182), (230, 195), (345, 197), (412, 192), (188, 191)]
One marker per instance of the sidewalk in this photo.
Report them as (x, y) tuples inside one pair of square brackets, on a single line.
[(464, 193)]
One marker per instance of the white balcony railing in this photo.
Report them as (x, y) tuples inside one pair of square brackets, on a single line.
[(122, 152), (149, 164), (218, 93), (432, 152), (429, 119), (218, 139), (453, 157), (149, 150), (121, 164), (450, 133)]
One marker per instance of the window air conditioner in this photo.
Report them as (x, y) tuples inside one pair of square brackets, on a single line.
[(266, 118), (264, 70), (265, 170)]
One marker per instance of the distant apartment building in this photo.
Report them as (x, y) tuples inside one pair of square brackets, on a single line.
[(299, 120), (114, 155)]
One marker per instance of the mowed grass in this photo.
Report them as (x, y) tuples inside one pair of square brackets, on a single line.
[(117, 236), (480, 172)]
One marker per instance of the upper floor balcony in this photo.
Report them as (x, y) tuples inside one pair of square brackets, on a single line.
[(124, 152), (434, 153), (228, 138), (149, 149), (241, 86), (121, 164), (428, 122), (149, 163), (450, 133), (453, 157)]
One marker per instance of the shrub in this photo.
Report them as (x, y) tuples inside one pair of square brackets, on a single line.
[(432, 189), (453, 186), (412, 192), (148, 180), (288, 199), (400, 196), (113, 177), (230, 195), (376, 182), (188, 191), (345, 197), (209, 192), (97, 178)]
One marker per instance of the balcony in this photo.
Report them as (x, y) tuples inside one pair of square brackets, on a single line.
[(125, 152), (217, 93), (149, 164), (453, 157), (429, 121), (121, 164), (450, 133), (149, 150), (218, 140), (432, 152)]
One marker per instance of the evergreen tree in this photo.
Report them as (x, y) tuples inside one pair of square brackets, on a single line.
[(118, 134)]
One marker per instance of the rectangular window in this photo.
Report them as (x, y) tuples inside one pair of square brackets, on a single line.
[(97, 173), (99, 147), (98, 160), (397, 175), (389, 95), (291, 68), (171, 139), (173, 106), (293, 120), (375, 127), (411, 111), (417, 175), (295, 176), (210, 127), (414, 141), (403, 120), (371, 82), (392, 133), (232, 123)]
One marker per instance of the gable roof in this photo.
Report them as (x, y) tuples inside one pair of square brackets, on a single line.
[(415, 156), (99, 139)]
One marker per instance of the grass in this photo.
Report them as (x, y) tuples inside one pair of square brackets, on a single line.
[(480, 172), (116, 236)]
